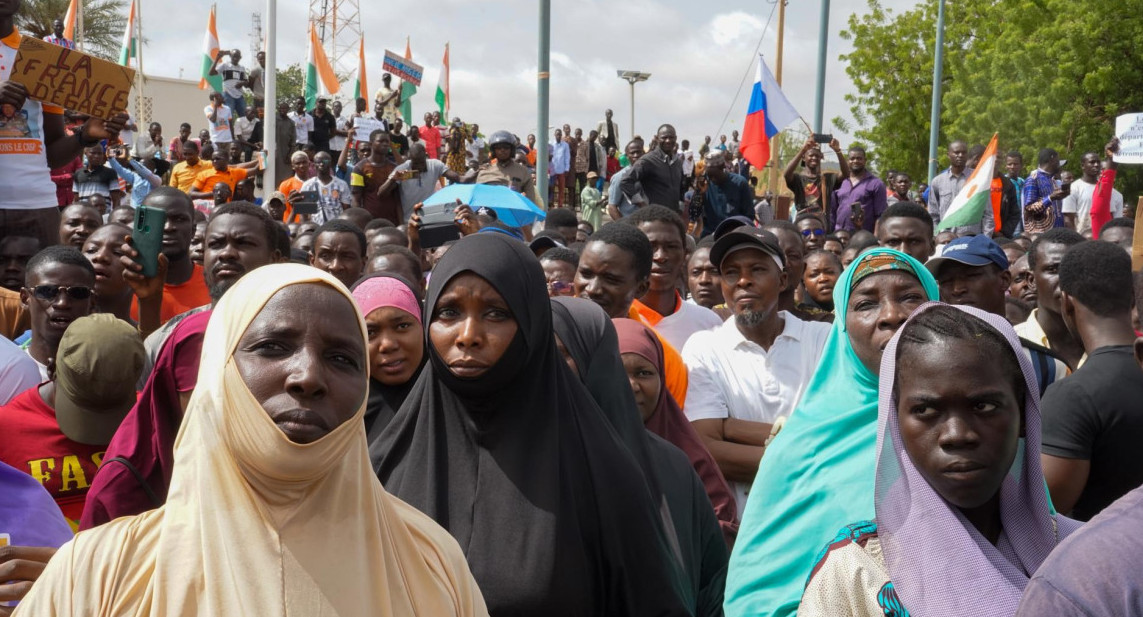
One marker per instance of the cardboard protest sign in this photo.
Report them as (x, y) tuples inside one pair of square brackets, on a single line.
[(405, 70), (1129, 130), (72, 79)]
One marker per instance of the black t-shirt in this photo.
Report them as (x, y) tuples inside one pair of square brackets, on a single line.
[(1097, 415), (323, 130)]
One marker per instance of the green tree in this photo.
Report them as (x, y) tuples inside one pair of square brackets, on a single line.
[(103, 23), (290, 83)]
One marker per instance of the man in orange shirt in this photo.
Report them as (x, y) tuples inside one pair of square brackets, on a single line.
[(185, 287), (221, 171), (300, 163)]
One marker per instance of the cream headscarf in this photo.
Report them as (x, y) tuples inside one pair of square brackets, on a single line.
[(255, 524)]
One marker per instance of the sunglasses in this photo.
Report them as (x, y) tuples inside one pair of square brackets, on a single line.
[(561, 287), (813, 232), (48, 293)]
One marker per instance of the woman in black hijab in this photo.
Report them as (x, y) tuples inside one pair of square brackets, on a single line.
[(586, 334), (502, 446), (392, 309)]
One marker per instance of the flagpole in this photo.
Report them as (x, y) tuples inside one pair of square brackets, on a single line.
[(542, 77), (140, 79), (935, 112), (774, 158), (78, 25), (270, 114)]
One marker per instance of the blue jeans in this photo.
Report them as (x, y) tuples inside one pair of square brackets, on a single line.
[(236, 104)]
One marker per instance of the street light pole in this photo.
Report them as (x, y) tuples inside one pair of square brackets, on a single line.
[(633, 77), (542, 82), (823, 40), (935, 117), (270, 113)]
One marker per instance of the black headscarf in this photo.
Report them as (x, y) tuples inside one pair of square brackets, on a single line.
[(590, 338), (522, 468), (384, 401)]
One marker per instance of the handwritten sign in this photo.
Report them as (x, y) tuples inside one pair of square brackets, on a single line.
[(1129, 130), (364, 127), (72, 79), (405, 70)]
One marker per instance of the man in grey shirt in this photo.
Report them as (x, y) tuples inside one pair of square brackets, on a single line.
[(945, 187), (618, 204)]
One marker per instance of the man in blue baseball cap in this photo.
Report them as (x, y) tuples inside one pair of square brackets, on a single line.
[(973, 270)]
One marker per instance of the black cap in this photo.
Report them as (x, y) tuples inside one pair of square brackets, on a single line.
[(729, 223), (745, 237)]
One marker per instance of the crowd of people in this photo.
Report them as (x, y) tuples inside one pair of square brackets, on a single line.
[(674, 394)]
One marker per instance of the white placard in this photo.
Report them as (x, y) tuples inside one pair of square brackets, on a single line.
[(1129, 130), (364, 127)]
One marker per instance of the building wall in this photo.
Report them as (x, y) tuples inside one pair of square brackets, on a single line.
[(170, 102)]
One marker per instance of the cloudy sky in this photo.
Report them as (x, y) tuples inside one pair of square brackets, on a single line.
[(697, 53)]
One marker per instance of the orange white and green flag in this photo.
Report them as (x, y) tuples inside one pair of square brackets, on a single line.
[(69, 20), (360, 87), (209, 53), (130, 47), (318, 69), (968, 206)]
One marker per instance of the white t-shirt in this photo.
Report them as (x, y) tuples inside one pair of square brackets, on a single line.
[(220, 126), (303, 125), (337, 142), (25, 180), (334, 198), (678, 327), (18, 371), (416, 190), (1079, 203), (729, 376), (232, 75), (245, 127)]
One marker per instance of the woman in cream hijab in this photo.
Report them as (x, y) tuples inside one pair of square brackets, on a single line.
[(273, 508)]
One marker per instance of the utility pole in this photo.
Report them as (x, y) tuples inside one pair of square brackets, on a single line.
[(543, 77), (935, 117), (823, 42), (633, 77), (270, 117), (773, 182)]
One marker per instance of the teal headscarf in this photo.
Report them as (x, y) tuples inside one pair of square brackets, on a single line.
[(818, 475)]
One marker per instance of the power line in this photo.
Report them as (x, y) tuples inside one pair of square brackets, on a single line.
[(757, 50)]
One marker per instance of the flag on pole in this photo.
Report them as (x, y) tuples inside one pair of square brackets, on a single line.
[(968, 206), (360, 88), (442, 88), (407, 90), (69, 20), (769, 112), (318, 69), (209, 53), (130, 47)]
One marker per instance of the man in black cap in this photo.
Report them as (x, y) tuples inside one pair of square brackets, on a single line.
[(754, 368)]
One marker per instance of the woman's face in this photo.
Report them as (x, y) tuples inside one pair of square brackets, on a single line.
[(645, 383), (471, 326), (960, 418), (103, 250), (396, 345), (307, 370), (878, 306)]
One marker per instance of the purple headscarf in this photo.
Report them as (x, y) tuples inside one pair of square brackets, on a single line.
[(922, 534)]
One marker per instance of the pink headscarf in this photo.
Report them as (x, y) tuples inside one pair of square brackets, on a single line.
[(382, 291)]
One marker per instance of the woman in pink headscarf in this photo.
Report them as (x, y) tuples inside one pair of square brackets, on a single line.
[(392, 309)]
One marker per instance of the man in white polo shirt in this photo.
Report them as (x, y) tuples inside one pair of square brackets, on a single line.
[(755, 367), (32, 142)]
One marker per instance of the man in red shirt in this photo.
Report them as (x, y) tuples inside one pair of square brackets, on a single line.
[(185, 287), (58, 431), (431, 136)]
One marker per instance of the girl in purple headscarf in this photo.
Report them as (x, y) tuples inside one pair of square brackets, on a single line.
[(963, 518)]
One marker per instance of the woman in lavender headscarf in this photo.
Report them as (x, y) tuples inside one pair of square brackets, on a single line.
[(962, 514)]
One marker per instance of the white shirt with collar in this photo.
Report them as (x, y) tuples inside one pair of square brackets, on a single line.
[(731, 377), (688, 319)]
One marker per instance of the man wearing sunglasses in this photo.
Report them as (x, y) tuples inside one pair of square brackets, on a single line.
[(59, 287), (812, 230)]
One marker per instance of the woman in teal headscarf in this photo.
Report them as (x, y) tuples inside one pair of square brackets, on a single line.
[(818, 473)]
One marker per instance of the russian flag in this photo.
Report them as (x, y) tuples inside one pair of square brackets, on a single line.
[(768, 114)]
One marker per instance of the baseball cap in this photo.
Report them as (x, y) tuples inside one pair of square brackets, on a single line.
[(544, 242), (972, 251), (279, 195), (729, 223), (99, 360), (746, 237)]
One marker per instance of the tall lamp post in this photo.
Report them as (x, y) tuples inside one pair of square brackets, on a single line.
[(633, 77), (935, 112)]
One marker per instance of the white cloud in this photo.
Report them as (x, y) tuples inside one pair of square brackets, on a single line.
[(697, 53)]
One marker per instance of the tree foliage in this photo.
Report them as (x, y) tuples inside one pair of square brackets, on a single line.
[(1041, 73), (103, 23), (291, 83)]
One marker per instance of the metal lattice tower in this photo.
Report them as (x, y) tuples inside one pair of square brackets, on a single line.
[(338, 24), (257, 43)]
